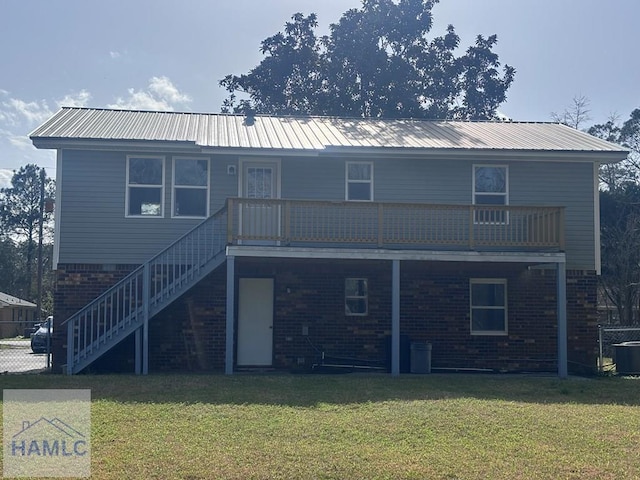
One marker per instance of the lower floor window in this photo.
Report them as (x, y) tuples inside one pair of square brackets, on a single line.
[(356, 296), (488, 306)]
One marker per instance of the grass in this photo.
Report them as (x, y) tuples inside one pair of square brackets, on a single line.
[(358, 426)]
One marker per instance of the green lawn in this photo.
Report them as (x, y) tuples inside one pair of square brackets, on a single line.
[(358, 426)]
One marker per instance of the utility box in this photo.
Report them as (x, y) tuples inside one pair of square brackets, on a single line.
[(420, 357), (628, 358)]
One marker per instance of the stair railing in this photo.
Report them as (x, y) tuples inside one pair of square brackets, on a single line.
[(123, 308)]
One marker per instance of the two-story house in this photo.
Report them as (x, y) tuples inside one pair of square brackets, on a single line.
[(188, 241)]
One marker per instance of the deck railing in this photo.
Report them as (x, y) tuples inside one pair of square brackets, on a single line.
[(394, 225)]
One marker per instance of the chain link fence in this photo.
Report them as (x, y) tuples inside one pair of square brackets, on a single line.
[(24, 347), (608, 336)]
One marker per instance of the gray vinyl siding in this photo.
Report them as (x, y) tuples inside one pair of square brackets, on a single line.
[(561, 184), (313, 178), (94, 228)]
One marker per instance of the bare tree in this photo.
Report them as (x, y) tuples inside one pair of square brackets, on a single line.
[(576, 114), (620, 279)]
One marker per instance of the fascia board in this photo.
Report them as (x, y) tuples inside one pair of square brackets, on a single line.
[(87, 144)]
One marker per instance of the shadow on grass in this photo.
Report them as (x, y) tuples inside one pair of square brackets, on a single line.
[(311, 390)]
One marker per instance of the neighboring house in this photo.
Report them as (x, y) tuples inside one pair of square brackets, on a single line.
[(298, 237), (16, 315)]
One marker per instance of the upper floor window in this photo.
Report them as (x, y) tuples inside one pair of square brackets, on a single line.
[(488, 306), (359, 181), (490, 187), (145, 186), (190, 187), (356, 297)]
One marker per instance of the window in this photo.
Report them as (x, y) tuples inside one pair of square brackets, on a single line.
[(145, 186), (488, 306), (360, 181), (259, 182), (490, 187), (190, 188), (356, 296)]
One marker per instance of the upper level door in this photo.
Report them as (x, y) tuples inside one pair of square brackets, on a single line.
[(260, 180)]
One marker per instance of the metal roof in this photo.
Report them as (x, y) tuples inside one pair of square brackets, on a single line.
[(311, 133), (7, 300)]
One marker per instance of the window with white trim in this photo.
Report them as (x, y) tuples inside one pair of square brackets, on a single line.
[(488, 306), (356, 297), (190, 187), (359, 181), (145, 186), (491, 188)]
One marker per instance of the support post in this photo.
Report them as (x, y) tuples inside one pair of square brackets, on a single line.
[(146, 289), (231, 295), (138, 353), (395, 318), (563, 370)]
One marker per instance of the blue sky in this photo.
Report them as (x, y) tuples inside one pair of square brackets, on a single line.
[(166, 54)]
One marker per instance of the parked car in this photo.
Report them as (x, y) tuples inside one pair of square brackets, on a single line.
[(42, 336)]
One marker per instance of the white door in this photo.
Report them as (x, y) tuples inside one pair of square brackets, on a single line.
[(260, 181), (255, 322)]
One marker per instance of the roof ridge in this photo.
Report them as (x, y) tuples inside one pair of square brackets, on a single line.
[(327, 117)]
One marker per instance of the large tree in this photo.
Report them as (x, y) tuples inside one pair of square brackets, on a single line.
[(377, 61), (21, 214), (620, 237), (616, 176), (620, 219)]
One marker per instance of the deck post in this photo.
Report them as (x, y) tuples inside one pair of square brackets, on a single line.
[(230, 206), (231, 295), (146, 295), (137, 352), (562, 320), (395, 318)]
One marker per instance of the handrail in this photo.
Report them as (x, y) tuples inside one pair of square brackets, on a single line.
[(122, 308)]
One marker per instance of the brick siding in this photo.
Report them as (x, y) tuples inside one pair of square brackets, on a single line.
[(309, 316)]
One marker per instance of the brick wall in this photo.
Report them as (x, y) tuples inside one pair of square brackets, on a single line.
[(189, 335), (309, 315), (434, 308), (582, 318)]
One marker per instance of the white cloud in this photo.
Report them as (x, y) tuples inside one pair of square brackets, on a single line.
[(164, 88), (5, 177), (75, 99), (160, 94), (114, 55), (14, 111), (20, 141), (18, 113)]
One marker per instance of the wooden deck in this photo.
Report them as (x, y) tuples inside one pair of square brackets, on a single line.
[(394, 225)]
